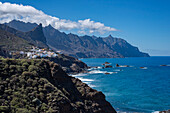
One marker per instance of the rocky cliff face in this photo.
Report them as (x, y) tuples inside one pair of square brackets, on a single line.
[(70, 64), (42, 86), (85, 46), (91, 46), (122, 47)]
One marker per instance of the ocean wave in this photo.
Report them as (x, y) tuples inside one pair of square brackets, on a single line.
[(112, 72), (94, 68), (85, 80), (97, 71), (91, 85), (80, 74), (101, 72), (155, 112)]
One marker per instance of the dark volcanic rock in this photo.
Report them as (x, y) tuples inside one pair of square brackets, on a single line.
[(70, 64), (42, 86)]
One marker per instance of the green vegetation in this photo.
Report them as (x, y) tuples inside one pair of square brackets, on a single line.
[(37, 85), (21, 87)]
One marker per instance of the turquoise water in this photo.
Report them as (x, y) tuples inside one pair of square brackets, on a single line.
[(132, 89)]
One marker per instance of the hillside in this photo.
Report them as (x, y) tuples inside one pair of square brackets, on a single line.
[(10, 42), (84, 46), (29, 86), (34, 36)]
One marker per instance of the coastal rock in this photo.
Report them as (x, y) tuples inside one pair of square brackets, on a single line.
[(108, 66), (49, 86), (168, 111)]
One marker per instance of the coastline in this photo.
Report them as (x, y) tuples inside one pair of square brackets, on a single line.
[(46, 84), (96, 76)]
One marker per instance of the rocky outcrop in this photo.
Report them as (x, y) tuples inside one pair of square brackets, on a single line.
[(42, 86), (70, 64), (167, 111)]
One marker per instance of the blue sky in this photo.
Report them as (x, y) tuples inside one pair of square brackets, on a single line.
[(143, 23)]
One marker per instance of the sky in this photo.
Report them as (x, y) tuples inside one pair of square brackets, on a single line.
[(143, 23)]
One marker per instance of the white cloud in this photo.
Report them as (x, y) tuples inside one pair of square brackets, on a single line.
[(82, 32), (20, 12)]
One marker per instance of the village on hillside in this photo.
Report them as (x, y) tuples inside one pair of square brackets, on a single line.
[(36, 52)]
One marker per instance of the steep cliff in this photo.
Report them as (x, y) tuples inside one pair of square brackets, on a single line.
[(42, 86)]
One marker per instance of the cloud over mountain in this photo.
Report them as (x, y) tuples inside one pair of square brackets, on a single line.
[(20, 12)]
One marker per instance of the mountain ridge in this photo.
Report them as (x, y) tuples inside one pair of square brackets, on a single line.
[(30, 36), (14, 42), (86, 46)]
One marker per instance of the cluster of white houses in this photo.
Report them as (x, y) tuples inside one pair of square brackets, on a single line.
[(37, 53)]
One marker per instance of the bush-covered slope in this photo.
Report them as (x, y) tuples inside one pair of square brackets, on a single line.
[(29, 86)]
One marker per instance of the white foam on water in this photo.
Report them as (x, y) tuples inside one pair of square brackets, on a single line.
[(144, 68), (90, 69), (92, 86), (155, 112), (99, 67), (97, 71), (123, 66), (112, 72), (85, 80), (80, 74), (94, 68)]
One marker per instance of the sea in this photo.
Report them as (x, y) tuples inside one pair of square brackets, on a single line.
[(143, 86)]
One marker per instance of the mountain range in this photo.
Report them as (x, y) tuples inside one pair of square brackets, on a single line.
[(12, 40), (77, 46)]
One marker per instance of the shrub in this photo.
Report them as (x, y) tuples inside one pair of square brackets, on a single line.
[(4, 109), (23, 110), (26, 75), (32, 68), (25, 64), (44, 107)]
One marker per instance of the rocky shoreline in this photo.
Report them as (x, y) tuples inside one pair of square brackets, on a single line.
[(38, 85)]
